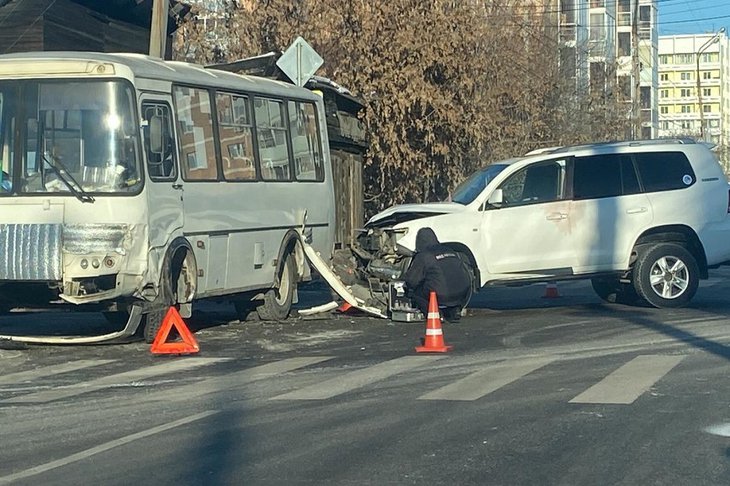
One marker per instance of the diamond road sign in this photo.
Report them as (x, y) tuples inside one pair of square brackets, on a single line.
[(299, 62)]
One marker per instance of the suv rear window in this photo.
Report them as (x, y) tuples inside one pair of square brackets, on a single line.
[(607, 175), (664, 171)]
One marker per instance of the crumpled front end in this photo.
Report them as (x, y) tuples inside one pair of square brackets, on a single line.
[(102, 261)]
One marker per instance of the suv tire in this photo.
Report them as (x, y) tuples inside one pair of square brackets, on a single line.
[(666, 275), (613, 291)]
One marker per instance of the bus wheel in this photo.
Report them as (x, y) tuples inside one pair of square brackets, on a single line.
[(152, 320), (243, 309), (152, 323), (277, 301)]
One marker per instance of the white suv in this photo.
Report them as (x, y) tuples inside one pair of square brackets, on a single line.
[(643, 220)]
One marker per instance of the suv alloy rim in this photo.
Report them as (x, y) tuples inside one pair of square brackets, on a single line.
[(669, 277)]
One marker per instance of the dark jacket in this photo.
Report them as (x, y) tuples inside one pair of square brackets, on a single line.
[(437, 267)]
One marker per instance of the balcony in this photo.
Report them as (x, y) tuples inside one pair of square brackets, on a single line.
[(568, 33)]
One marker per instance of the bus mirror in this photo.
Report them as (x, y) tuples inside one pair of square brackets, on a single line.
[(156, 134)]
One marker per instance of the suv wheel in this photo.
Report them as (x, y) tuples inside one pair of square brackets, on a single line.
[(612, 290), (666, 275)]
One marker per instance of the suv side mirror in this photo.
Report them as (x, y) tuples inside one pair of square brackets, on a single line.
[(496, 199)]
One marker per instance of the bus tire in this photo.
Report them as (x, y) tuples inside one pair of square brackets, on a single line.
[(277, 301), (152, 322), (243, 309)]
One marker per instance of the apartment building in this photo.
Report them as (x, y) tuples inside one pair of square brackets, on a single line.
[(694, 99), (601, 46), (648, 54), (597, 45)]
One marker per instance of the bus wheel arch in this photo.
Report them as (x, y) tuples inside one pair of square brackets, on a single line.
[(177, 286)]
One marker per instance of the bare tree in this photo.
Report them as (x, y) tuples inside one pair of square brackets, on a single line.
[(449, 86)]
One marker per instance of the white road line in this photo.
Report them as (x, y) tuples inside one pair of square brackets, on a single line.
[(225, 383), (23, 376), (356, 379), (79, 456), (111, 380), (630, 381), (483, 382)]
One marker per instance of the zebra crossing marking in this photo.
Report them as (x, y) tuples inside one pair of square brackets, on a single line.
[(623, 386), (51, 370), (237, 378), (111, 380), (486, 381), (357, 379), (630, 381)]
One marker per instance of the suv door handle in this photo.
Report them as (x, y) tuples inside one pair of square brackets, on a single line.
[(556, 216), (636, 210), (177, 186)]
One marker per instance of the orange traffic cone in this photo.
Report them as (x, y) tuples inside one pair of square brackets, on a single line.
[(551, 291), (434, 340), (188, 345)]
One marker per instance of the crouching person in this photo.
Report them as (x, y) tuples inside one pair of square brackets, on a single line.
[(437, 268)]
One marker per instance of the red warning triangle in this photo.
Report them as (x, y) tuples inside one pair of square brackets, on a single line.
[(188, 345)]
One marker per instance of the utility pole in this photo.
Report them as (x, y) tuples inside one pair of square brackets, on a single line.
[(712, 40), (158, 29), (635, 72)]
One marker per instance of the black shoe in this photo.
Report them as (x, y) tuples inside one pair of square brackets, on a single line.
[(452, 315)]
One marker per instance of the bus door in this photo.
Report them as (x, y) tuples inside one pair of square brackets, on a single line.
[(164, 190)]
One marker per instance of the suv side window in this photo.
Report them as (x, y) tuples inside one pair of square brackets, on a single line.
[(664, 171), (607, 175), (535, 184)]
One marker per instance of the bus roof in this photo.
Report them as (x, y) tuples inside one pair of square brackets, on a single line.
[(143, 66)]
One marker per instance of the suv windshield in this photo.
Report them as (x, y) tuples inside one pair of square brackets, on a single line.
[(468, 190), (76, 137)]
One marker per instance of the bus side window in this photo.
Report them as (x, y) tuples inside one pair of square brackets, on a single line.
[(308, 165), (158, 141)]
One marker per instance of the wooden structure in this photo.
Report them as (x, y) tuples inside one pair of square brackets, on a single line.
[(81, 25), (346, 138)]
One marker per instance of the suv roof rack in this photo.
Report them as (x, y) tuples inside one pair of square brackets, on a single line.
[(625, 143)]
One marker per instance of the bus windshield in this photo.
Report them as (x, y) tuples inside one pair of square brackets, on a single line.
[(75, 137)]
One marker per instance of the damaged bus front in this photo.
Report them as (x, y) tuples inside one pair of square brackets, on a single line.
[(72, 221)]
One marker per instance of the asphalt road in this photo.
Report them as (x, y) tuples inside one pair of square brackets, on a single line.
[(536, 391)]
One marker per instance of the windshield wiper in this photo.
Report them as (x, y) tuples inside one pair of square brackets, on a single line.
[(65, 176)]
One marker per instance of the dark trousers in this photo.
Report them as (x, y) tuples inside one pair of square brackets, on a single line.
[(420, 297)]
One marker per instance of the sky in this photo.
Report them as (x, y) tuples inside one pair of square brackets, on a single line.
[(693, 16)]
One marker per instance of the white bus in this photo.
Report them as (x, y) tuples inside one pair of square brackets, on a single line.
[(130, 184)]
